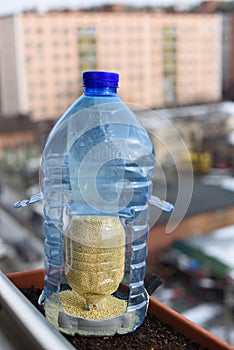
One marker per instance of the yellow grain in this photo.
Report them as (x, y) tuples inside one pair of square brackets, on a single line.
[(95, 256), (73, 304)]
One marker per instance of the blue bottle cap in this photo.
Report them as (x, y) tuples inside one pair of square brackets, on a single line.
[(97, 79)]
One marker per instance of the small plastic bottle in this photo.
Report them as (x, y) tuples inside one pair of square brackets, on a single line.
[(95, 257)]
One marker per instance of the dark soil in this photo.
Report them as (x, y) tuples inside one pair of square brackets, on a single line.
[(152, 335)]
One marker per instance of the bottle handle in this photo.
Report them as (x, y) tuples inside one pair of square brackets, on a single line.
[(38, 197), (161, 204), (25, 202)]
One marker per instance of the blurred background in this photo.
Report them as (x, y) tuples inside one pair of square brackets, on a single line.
[(176, 66)]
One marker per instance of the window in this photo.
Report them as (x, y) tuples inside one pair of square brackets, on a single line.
[(69, 82), (56, 56), (44, 109), (87, 50), (59, 108), (39, 30), (28, 59), (69, 94), (169, 63), (43, 97), (40, 57), (55, 43), (30, 85)]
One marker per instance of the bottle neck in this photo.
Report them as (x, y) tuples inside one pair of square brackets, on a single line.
[(100, 91)]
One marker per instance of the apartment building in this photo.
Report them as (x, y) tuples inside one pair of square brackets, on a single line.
[(163, 59)]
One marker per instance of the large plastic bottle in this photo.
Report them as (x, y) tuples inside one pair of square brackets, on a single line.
[(99, 160), (97, 164)]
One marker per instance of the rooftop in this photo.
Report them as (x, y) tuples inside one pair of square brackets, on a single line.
[(210, 193), (16, 123)]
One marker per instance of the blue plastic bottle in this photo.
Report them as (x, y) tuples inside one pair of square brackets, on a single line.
[(97, 163)]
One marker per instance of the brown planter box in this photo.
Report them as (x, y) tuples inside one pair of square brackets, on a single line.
[(27, 279)]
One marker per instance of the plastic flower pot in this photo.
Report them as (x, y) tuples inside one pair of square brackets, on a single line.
[(22, 326), (181, 324)]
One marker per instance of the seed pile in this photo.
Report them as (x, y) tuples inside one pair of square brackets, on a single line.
[(152, 335), (95, 255), (73, 304)]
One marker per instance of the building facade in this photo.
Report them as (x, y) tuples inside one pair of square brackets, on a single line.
[(228, 54), (163, 59)]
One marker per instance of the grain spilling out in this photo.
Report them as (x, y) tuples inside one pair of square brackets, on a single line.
[(73, 304)]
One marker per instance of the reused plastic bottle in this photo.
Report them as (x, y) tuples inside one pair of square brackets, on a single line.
[(95, 257), (97, 167), (99, 160)]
